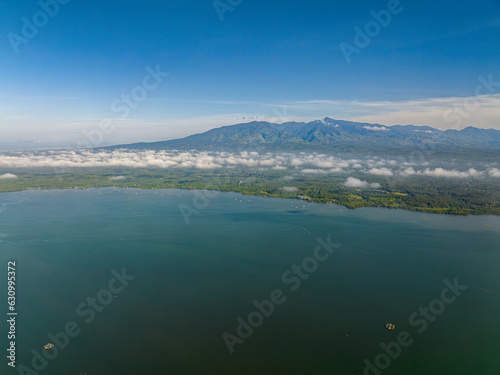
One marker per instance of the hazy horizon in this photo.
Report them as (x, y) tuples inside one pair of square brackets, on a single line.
[(38, 145)]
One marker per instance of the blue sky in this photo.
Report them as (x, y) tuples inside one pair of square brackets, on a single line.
[(266, 60)]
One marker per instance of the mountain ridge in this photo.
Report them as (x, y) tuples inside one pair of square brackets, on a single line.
[(329, 134)]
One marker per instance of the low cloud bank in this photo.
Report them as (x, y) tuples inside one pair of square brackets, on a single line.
[(308, 164), (446, 173)]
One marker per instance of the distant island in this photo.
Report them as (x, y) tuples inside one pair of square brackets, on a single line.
[(325, 161)]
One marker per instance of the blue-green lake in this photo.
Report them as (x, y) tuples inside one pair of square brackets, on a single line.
[(194, 278)]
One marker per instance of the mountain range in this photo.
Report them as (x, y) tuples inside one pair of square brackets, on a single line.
[(330, 135)]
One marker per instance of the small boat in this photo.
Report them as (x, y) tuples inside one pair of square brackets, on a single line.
[(48, 346), (390, 326)]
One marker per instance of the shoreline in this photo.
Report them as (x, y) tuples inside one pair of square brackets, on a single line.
[(438, 211)]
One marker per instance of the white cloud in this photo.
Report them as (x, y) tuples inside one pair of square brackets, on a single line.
[(443, 173), (495, 172), (375, 128), (7, 176), (357, 183), (408, 172), (440, 172), (336, 170), (381, 171)]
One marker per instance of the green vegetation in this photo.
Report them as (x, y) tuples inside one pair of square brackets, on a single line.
[(425, 194)]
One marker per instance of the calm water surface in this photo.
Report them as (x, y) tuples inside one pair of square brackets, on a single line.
[(192, 281)]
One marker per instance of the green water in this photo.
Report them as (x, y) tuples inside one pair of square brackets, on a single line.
[(193, 280)]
